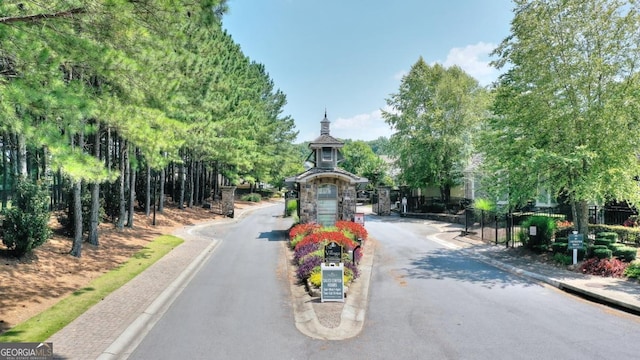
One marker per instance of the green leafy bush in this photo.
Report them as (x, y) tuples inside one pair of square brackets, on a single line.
[(625, 234), (253, 197), (602, 241), (633, 270), (612, 236), (25, 225), (581, 253), (602, 253), (626, 253), (559, 247), (292, 206), (545, 227), (562, 258), (592, 248), (614, 247)]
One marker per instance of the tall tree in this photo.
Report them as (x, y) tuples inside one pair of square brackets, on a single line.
[(360, 159), (566, 108), (434, 114)]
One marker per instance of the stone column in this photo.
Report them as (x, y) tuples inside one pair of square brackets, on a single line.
[(348, 203), (228, 197), (384, 201)]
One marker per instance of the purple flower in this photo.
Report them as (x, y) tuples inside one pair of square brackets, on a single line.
[(307, 266)]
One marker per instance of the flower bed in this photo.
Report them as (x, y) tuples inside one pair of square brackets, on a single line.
[(308, 241)]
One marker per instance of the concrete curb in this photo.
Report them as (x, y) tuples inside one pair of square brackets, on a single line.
[(124, 345), (133, 335), (354, 310), (559, 284)]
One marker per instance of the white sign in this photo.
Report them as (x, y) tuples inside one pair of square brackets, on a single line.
[(332, 283)]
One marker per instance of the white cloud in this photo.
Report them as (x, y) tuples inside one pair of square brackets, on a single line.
[(399, 75), (368, 126), (474, 59)]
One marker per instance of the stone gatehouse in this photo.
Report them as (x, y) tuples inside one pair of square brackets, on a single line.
[(326, 193)]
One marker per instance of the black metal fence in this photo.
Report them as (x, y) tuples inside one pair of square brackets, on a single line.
[(504, 228)]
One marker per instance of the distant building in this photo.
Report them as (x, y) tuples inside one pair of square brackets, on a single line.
[(326, 193)]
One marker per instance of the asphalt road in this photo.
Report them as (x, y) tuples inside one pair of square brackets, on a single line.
[(427, 301)]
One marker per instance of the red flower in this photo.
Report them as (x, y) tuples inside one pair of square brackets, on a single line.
[(327, 237), (357, 230), (307, 228)]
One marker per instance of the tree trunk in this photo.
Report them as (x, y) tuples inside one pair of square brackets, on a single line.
[(95, 195), (76, 249), (196, 187), (182, 185), (132, 193), (123, 172), (162, 179), (582, 209), (191, 176), (147, 204), (5, 171), (22, 155)]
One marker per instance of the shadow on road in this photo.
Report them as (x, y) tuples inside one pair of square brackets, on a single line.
[(456, 265)]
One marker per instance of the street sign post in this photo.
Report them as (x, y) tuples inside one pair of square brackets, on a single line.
[(575, 242)]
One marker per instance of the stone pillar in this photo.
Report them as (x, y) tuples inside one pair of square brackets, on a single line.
[(348, 203), (384, 201), (228, 197)]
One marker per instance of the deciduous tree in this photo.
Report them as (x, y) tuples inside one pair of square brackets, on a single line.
[(567, 106)]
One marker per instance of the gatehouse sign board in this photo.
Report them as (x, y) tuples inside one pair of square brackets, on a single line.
[(333, 253), (332, 284)]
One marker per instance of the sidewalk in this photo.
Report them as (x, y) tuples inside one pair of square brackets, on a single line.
[(112, 328), (620, 293)]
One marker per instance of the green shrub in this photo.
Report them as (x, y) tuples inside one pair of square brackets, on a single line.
[(626, 253), (545, 227), (613, 236), (593, 248), (563, 259), (253, 197), (484, 204), (292, 206), (602, 241), (625, 234), (633, 270), (559, 247), (602, 253), (616, 246), (26, 223)]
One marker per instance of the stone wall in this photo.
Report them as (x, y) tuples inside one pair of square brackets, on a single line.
[(309, 194)]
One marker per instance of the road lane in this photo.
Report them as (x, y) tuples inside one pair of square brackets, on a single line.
[(427, 301)]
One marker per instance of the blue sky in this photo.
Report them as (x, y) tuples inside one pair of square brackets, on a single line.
[(348, 56)]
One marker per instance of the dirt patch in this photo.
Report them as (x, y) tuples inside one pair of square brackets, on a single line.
[(37, 281)]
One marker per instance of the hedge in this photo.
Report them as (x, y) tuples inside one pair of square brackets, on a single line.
[(626, 234)]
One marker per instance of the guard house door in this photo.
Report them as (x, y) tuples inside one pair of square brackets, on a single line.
[(327, 204)]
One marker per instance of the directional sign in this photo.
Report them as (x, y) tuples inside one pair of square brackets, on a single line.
[(576, 241)]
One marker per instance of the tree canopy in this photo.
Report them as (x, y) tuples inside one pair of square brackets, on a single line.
[(434, 114), (98, 91), (566, 109)]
